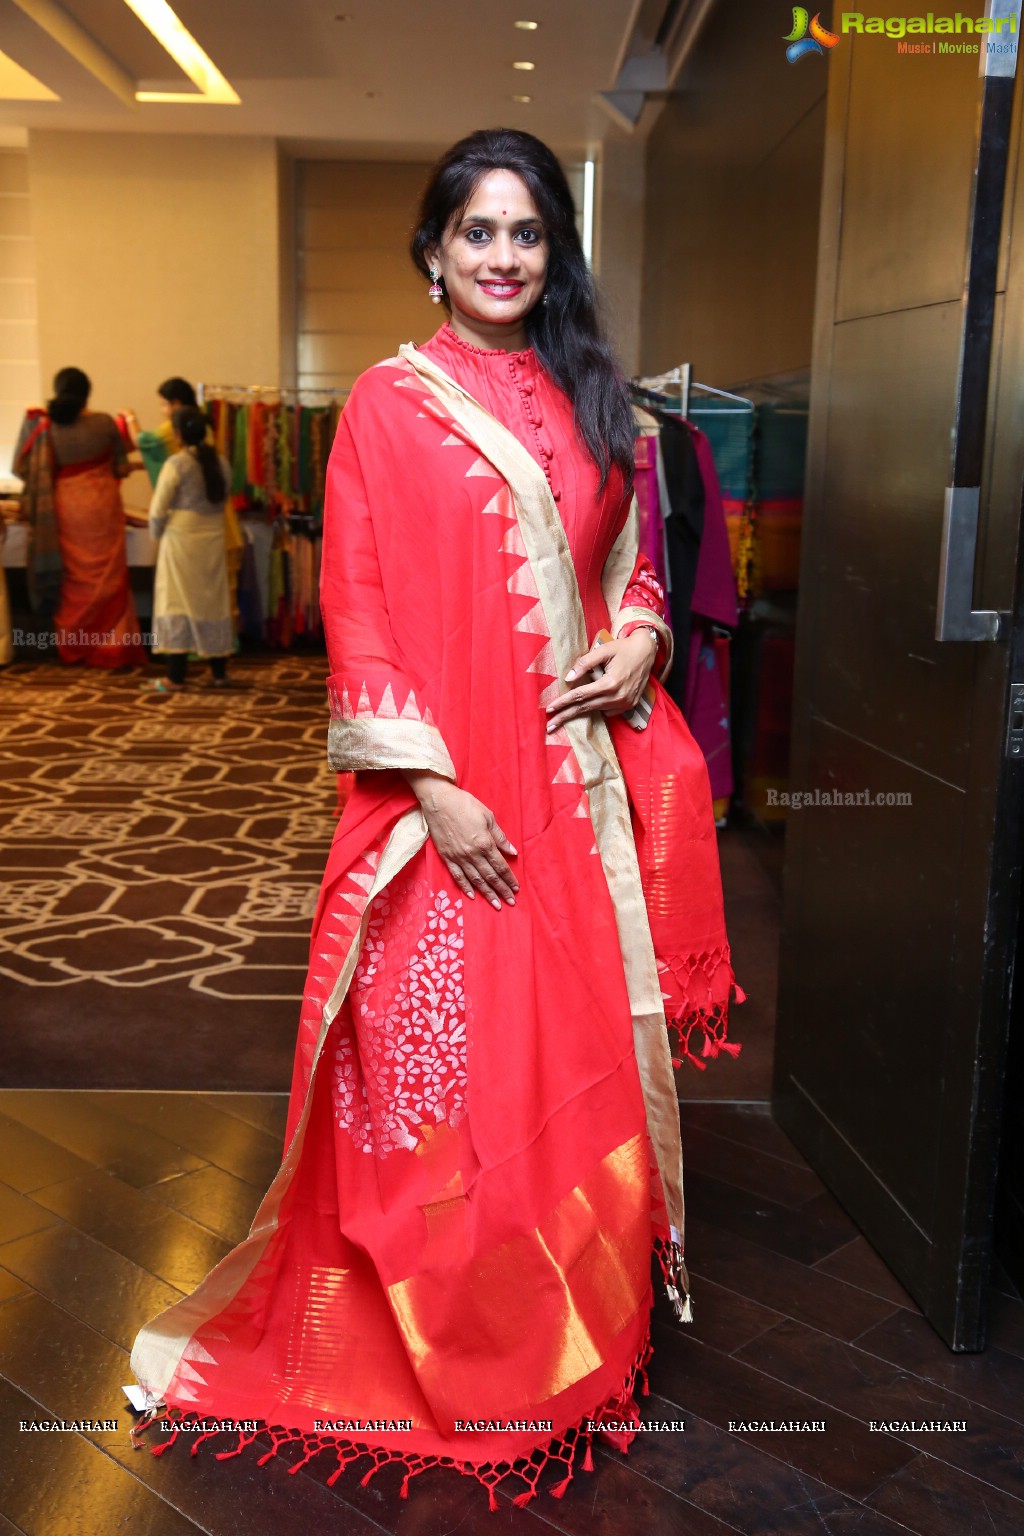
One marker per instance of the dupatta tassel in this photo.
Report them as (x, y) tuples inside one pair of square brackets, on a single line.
[(147, 1418), (677, 1281)]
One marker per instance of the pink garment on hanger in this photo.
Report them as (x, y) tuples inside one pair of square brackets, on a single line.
[(714, 602), (645, 484), (714, 592)]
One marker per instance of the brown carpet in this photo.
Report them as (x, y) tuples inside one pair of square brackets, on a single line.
[(160, 860), (159, 866)]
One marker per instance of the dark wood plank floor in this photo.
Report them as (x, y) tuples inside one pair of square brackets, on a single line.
[(112, 1204)]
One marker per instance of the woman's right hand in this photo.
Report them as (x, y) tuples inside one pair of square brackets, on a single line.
[(467, 837)]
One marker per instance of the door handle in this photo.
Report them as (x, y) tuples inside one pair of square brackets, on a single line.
[(956, 617)]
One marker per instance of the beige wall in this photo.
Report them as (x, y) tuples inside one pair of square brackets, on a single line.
[(359, 296), (619, 243), (19, 337), (156, 257), (733, 195)]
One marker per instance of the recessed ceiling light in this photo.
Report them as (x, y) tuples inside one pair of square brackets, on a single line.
[(526, 26), (522, 99), (172, 34), (523, 64)]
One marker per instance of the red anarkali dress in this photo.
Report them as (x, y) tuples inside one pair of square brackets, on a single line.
[(453, 1264)]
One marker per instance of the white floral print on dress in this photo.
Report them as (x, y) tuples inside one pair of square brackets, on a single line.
[(401, 1059)]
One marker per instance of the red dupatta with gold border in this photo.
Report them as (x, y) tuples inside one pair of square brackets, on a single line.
[(452, 1264)]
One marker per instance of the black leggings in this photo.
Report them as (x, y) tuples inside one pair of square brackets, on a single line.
[(177, 666)]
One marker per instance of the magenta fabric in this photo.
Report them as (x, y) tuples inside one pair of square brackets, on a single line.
[(707, 707), (648, 498), (714, 593)]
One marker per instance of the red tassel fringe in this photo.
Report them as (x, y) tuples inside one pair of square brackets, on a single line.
[(711, 1019), (526, 1470)]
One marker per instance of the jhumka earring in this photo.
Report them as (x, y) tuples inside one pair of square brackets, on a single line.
[(435, 290)]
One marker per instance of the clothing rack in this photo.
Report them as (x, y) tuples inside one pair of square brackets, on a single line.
[(278, 391), (682, 378)]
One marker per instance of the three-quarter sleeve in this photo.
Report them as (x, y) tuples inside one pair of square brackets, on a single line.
[(643, 602), (378, 718)]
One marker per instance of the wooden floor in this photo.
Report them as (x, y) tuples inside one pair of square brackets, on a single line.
[(115, 1203)]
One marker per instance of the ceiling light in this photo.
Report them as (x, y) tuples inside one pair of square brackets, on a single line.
[(522, 99), (526, 26), (172, 34), (523, 64)]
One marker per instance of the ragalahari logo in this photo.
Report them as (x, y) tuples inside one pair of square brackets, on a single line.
[(808, 35)]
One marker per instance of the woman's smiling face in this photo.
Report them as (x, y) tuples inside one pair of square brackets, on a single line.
[(494, 262)]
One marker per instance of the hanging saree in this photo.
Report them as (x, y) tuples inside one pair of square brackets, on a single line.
[(453, 1264)]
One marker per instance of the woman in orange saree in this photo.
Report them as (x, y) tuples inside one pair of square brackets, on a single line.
[(72, 461), (453, 1265)]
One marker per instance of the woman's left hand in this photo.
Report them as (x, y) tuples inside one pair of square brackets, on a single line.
[(627, 665)]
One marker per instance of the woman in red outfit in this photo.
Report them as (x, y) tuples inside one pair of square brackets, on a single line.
[(453, 1263), (72, 461)]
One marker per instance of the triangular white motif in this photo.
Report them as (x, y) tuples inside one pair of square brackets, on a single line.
[(544, 661), (387, 708), (451, 441), (499, 505), (196, 1351), (347, 712), (521, 581), (190, 1373), (583, 809), (549, 694), (481, 467), (512, 543), (569, 772), (363, 707), (533, 622), (409, 709), (365, 881)]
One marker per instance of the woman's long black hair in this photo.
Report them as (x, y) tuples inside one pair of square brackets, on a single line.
[(192, 425), (71, 391), (565, 332)]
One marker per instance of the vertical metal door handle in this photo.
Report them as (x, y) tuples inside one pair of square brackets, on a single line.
[(956, 618)]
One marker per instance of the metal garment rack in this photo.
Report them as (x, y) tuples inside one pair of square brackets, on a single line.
[(281, 391), (682, 377)]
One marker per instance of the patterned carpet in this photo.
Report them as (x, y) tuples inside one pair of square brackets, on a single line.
[(159, 866)]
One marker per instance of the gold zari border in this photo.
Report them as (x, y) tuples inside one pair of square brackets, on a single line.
[(368, 743)]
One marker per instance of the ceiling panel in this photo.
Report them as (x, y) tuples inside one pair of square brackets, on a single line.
[(398, 77), (118, 30)]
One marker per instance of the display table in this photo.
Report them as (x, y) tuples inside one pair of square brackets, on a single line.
[(140, 547)]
